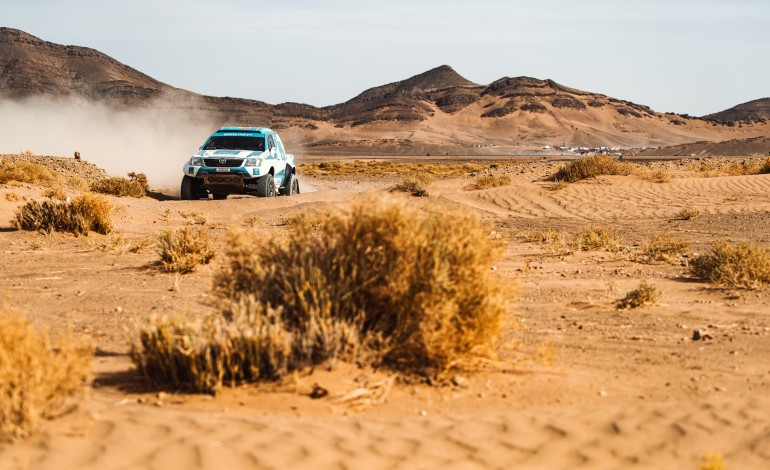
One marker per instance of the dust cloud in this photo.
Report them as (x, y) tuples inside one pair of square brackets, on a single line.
[(155, 140)]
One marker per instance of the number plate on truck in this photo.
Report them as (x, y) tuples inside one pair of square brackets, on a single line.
[(223, 170)]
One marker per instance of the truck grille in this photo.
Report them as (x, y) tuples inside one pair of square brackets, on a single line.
[(223, 162)]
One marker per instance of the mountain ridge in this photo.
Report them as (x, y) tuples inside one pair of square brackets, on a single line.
[(436, 109)]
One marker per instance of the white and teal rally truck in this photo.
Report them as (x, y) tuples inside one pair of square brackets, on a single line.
[(240, 160)]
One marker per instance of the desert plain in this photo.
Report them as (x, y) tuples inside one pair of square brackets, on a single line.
[(683, 382)]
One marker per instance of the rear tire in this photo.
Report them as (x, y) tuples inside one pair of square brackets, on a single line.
[(192, 188), (291, 185), (266, 186)]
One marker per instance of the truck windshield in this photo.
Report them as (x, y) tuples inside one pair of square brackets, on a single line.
[(235, 143)]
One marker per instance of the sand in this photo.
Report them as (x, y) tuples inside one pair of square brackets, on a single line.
[(584, 385)]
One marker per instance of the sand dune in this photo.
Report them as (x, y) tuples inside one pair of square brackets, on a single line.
[(607, 436), (584, 385), (625, 197)]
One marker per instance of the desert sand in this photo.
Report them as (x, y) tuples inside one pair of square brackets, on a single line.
[(581, 384)]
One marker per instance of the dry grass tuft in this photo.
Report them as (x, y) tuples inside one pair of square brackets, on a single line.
[(384, 283), (590, 167), (659, 176), (416, 185), (140, 178), (55, 193), (22, 171), (688, 213), (39, 378), (663, 247), (555, 241), (181, 251), (13, 197), (597, 238), (712, 461), (387, 168), (88, 212), (122, 187), (645, 294), (488, 181), (743, 265), (194, 217), (765, 168)]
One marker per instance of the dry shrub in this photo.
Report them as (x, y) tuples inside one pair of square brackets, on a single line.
[(55, 193), (743, 265), (558, 186), (26, 172), (659, 176), (183, 250), (712, 461), (590, 167), (645, 294), (765, 168), (194, 217), (88, 212), (416, 185), (489, 181), (662, 247), (39, 378), (597, 238), (13, 197), (688, 213), (388, 168), (420, 279), (140, 178), (119, 186), (555, 241), (385, 283), (247, 345)]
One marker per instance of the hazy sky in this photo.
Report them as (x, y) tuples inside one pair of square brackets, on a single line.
[(687, 56)]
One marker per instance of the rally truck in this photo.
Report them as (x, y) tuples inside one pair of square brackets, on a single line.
[(240, 160)]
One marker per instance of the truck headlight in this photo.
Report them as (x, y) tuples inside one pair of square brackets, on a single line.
[(196, 161), (252, 162)]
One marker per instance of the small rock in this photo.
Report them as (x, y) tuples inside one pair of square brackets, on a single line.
[(602, 393), (698, 335), (459, 381), (423, 412), (318, 392), (119, 309)]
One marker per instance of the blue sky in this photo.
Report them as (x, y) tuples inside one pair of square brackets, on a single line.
[(686, 56)]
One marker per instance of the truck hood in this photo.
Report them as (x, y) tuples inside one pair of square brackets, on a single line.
[(229, 153)]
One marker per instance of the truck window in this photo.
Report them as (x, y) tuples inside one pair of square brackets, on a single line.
[(270, 143)]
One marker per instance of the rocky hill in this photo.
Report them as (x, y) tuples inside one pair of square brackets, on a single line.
[(753, 111), (436, 111)]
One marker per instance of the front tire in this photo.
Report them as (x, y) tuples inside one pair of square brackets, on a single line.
[(266, 186), (291, 185), (192, 188)]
